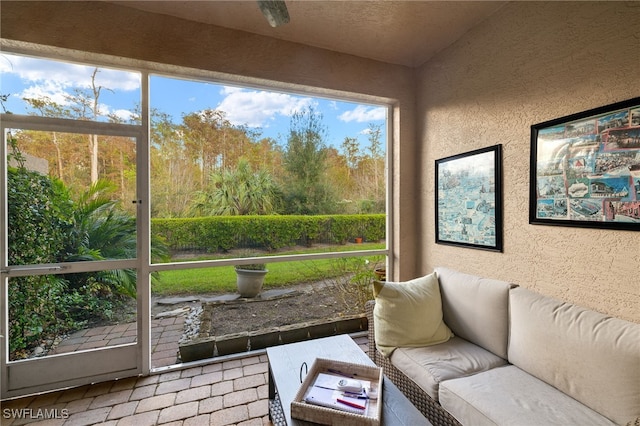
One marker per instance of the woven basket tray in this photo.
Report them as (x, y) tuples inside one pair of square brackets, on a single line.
[(329, 416)]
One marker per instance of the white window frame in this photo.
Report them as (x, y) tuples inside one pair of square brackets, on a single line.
[(143, 263)]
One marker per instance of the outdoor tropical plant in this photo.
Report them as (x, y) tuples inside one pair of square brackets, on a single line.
[(100, 231), (353, 279), (238, 191)]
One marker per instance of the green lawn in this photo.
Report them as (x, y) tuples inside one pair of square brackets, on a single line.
[(223, 278)]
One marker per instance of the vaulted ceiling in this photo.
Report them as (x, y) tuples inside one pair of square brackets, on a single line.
[(398, 32)]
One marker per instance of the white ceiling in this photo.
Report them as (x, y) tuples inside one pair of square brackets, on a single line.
[(399, 32)]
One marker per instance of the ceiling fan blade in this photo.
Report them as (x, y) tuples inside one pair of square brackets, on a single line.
[(275, 11)]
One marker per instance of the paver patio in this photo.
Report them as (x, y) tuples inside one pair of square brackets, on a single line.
[(230, 392), (165, 334)]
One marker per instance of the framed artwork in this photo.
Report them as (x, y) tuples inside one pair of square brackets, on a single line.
[(585, 169), (469, 199)]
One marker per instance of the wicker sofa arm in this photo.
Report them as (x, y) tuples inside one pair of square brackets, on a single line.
[(419, 398), (368, 309)]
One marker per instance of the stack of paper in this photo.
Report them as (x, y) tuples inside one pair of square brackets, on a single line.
[(325, 393)]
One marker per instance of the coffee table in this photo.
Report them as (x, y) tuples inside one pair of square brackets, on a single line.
[(285, 362)]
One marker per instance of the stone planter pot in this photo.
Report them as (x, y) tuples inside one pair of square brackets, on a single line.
[(250, 281)]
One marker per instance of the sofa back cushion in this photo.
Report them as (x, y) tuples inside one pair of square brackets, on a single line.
[(476, 309), (591, 357)]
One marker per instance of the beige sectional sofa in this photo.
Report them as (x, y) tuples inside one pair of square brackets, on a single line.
[(516, 358)]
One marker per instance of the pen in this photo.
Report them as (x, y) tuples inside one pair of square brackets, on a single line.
[(354, 395), (331, 370), (351, 404)]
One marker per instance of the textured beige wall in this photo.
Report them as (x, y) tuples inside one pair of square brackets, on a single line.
[(529, 63), (125, 34)]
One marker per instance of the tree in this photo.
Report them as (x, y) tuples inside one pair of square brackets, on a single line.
[(47, 108), (85, 105), (351, 152), (377, 157), (371, 179), (305, 162), (173, 174), (204, 136), (267, 154)]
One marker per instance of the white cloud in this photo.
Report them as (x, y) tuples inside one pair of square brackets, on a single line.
[(56, 80), (363, 114), (123, 114), (65, 75), (227, 90), (257, 108), (50, 89)]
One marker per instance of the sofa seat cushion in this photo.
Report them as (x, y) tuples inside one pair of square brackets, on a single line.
[(430, 365), (509, 396)]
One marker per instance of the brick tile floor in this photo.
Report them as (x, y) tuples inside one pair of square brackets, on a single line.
[(165, 334), (232, 392)]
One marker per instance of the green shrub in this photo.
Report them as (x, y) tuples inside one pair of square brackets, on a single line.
[(36, 235), (223, 233)]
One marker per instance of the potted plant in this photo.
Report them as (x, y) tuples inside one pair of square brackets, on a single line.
[(381, 274), (250, 279)]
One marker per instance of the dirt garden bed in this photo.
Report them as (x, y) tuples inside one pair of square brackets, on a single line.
[(255, 314), (296, 314)]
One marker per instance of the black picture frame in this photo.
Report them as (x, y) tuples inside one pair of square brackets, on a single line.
[(468, 199), (585, 169)]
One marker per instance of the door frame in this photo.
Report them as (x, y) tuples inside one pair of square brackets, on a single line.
[(24, 377)]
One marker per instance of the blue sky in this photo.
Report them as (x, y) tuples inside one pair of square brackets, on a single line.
[(258, 109)]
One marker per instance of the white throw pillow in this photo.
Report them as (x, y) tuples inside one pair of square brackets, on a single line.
[(408, 314)]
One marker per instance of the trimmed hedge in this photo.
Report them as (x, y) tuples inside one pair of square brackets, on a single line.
[(223, 233)]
